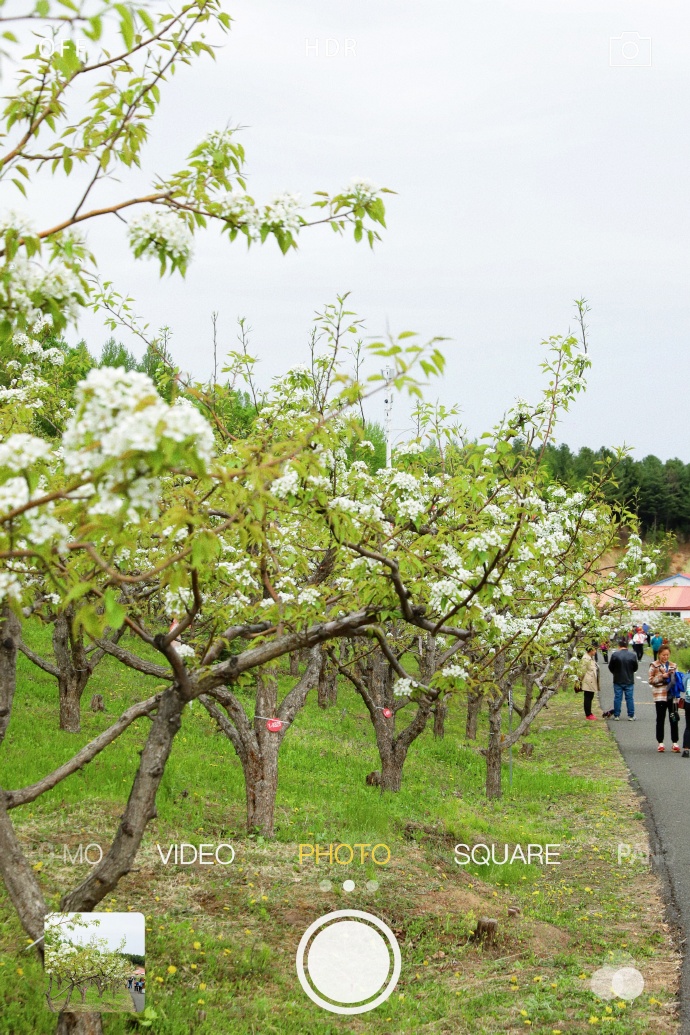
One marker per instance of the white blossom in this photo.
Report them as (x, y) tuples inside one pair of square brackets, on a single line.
[(404, 687), (10, 588), (21, 451), (287, 484), (159, 230)]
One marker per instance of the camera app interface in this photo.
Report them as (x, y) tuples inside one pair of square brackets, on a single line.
[(344, 518)]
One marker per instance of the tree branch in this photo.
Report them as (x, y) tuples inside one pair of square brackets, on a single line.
[(133, 660), (22, 797), (37, 660)]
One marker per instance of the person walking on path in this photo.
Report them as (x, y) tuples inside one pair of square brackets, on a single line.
[(604, 648), (589, 680), (656, 644), (623, 666), (662, 675), (638, 641)]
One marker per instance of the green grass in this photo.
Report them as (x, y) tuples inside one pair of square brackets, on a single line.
[(120, 1002), (248, 918)]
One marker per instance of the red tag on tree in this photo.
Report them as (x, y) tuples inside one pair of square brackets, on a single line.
[(274, 725), (388, 713)]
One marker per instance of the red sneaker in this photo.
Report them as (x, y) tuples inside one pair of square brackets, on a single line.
[(661, 748), (676, 748), (592, 716)]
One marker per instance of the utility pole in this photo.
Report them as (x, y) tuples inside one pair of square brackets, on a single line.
[(388, 373)]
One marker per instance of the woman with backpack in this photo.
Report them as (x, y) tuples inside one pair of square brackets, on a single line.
[(662, 679)]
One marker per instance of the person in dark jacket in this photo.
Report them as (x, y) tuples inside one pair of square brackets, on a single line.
[(623, 666)]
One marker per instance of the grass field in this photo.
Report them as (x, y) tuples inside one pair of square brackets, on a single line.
[(108, 1002), (221, 940)]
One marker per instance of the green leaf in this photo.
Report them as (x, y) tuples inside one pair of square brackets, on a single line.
[(115, 613)]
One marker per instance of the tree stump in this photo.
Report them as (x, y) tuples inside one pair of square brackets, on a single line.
[(97, 704), (513, 911), (527, 750), (486, 931)]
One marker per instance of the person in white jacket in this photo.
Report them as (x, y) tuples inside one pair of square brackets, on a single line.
[(589, 680)]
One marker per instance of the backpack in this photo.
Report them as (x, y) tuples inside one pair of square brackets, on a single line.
[(677, 686), (686, 679)]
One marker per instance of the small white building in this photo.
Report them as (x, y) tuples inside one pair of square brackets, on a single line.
[(669, 596)]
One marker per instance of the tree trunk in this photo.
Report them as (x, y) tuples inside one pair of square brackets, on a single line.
[(261, 784), (73, 669), (474, 703), (428, 658), (392, 770), (70, 705), (440, 714), (328, 684), (79, 1024), (376, 689), (10, 630), (294, 663), (493, 755), (256, 745)]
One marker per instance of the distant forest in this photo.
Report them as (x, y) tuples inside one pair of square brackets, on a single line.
[(659, 493)]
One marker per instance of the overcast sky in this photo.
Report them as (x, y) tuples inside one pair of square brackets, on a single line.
[(536, 159), (111, 927)]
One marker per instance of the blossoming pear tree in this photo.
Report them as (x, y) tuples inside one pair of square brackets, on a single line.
[(88, 84), (487, 540), (83, 965)]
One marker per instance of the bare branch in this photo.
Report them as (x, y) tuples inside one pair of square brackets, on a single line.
[(37, 660), (22, 797), (133, 660)]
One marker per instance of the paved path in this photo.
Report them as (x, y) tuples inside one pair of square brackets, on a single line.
[(138, 999), (664, 780)]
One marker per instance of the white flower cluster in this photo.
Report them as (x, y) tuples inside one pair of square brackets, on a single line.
[(18, 222), (118, 417), (240, 209), (160, 230), (411, 508), (21, 451), (185, 650), (284, 211), (119, 412), (286, 485), (485, 540), (455, 672), (309, 595), (359, 508), (445, 590), (363, 189), (410, 448), (32, 286), (13, 493), (177, 599), (34, 349), (10, 588), (404, 687)]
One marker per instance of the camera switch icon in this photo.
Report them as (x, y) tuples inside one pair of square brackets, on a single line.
[(630, 49), (348, 961)]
